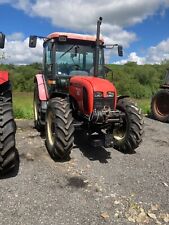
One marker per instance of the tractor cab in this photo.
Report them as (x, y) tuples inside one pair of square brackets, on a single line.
[(67, 55), (72, 54)]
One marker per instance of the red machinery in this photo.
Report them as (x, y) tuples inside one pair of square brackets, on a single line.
[(8, 154), (72, 92)]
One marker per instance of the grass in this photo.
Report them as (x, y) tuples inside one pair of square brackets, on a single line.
[(23, 105), (144, 104)]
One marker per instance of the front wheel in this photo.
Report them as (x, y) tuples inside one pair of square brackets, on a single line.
[(128, 135), (59, 129)]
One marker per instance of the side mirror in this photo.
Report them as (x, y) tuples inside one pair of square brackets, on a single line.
[(120, 50), (2, 40), (32, 41)]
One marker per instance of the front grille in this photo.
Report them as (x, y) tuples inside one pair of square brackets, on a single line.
[(100, 103)]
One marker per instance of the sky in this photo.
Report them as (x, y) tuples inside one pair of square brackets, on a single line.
[(142, 27)]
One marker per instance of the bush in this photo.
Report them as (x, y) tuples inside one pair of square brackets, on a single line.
[(138, 81)]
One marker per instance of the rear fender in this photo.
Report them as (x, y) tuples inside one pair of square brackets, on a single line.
[(42, 89), (4, 77)]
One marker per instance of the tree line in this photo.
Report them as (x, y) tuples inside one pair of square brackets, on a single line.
[(137, 81)]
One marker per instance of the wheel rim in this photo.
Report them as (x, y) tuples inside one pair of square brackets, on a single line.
[(119, 133), (161, 105), (35, 105), (50, 128), (35, 110)]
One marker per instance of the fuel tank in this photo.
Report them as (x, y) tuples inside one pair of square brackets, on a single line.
[(84, 91)]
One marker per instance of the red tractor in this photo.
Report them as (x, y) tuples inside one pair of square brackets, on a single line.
[(8, 154), (72, 93), (160, 102)]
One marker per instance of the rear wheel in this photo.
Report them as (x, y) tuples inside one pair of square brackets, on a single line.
[(9, 159), (128, 136), (59, 129), (160, 105)]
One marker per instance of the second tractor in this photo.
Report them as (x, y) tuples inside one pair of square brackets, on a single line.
[(160, 101), (9, 158)]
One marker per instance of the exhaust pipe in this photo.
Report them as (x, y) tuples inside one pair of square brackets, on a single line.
[(96, 62)]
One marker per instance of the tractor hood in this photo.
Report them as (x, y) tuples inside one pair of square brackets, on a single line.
[(83, 90), (97, 84)]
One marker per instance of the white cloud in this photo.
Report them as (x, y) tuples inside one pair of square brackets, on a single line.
[(18, 52), (158, 53), (25, 5), (154, 55), (115, 34), (17, 36), (81, 16), (133, 57)]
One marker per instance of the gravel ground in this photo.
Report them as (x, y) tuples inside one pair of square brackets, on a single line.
[(97, 186)]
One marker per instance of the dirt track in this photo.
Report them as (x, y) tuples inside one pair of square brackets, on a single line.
[(97, 186)]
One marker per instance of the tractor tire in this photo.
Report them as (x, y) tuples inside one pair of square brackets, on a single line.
[(37, 111), (59, 129), (9, 158), (6, 92), (160, 105), (128, 136)]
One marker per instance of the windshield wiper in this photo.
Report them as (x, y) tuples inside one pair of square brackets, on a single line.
[(67, 51)]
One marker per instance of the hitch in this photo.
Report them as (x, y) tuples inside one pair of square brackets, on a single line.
[(98, 140)]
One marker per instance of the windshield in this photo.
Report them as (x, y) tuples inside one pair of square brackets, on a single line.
[(77, 60)]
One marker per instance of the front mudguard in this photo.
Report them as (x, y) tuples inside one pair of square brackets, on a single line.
[(40, 101), (41, 85)]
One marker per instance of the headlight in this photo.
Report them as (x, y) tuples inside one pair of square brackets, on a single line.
[(110, 94), (98, 94)]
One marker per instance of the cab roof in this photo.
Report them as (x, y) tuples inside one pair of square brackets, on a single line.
[(74, 36)]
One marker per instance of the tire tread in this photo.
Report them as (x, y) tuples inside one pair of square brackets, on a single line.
[(64, 129)]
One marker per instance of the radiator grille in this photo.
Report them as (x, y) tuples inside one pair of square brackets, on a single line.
[(99, 103)]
